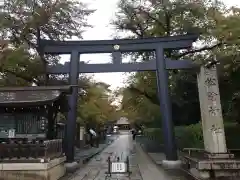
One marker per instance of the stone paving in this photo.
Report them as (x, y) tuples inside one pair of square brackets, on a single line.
[(141, 167), (96, 168), (82, 155)]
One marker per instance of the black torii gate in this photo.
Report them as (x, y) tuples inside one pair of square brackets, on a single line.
[(116, 47)]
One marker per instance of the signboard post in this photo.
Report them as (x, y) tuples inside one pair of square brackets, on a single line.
[(118, 167)]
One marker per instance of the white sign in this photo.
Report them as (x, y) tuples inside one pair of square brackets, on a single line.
[(11, 133), (118, 167), (82, 132)]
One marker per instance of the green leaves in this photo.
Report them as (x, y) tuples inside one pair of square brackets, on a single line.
[(139, 100), (20, 61), (219, 37), (95, 107), (56, 19)]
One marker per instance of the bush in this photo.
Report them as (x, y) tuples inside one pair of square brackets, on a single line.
[(232, 132), (192, 137)]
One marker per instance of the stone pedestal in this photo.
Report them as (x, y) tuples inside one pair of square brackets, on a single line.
[(52, 170), (214, 161), (205, 165), (171, 164), (218, 168), (211, 111)]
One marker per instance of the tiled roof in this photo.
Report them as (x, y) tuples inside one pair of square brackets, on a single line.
[(122, 120), (31, 95)]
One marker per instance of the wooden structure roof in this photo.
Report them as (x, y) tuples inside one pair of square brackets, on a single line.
[(122, 121), (32, 96)]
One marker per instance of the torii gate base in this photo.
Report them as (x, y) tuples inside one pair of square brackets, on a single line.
[(116, 47)]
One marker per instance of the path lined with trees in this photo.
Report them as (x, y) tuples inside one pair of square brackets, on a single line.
[(22, 64)]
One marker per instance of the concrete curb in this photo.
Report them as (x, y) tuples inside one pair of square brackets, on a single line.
[(72, 167), (143, 149), (148, 168), (77, 164), (165, 163), (87, 159)]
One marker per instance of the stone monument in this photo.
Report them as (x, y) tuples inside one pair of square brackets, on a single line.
[(214, 160), (211, 111)]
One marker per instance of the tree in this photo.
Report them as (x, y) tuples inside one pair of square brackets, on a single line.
[(219, 37), (136, 105), (95, 106), (21, 57), (22, 62)]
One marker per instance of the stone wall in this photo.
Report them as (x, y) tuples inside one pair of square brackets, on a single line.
[(53, 170)]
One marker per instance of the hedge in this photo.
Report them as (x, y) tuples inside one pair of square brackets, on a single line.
[(192, 137)]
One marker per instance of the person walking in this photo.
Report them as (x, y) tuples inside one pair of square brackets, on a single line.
[(134, 133), (93, 140)]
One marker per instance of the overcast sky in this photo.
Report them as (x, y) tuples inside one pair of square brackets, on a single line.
[(105, 11)]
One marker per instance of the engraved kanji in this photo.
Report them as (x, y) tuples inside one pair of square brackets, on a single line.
[(207, 71), (214, 128), (213, 110), (211, 81), (212, 96)]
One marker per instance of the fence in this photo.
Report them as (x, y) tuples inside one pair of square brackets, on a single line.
[(16, 150)]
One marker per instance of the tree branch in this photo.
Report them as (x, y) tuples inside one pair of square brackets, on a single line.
[(206, 48), (28, 79), (153, 18), (137, 91)]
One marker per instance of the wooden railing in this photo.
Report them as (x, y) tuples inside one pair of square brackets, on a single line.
[(21, 150), (53, 148)]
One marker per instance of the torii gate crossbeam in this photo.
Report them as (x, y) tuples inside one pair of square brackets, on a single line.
[(116, 47)]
